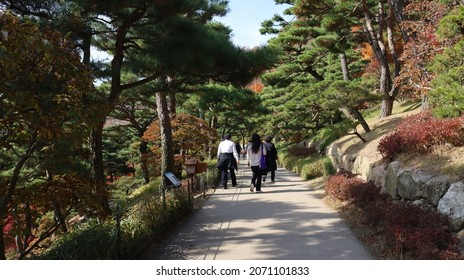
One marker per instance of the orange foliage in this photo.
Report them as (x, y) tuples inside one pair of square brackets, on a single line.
[(190, 134), (367, 52), (256, 85)]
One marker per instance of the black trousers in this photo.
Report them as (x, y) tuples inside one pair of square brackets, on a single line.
[(257, 175), (272, 174), (224, 177)]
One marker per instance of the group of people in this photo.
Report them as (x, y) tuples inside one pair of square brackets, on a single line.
[(229, 157)]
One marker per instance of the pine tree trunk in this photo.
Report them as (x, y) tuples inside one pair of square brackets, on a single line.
[(143, 149), (58, 215), (172, 103), (34, 144), (378, 46), (212, 124), (344, 65), (387, 106), (167, 153), (98, 172), (360, 119)]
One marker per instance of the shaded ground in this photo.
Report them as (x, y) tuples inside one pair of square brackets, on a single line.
[(289, 220)]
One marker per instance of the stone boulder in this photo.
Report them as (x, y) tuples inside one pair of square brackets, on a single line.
[(452, 205), (411, 183), (391, 186)]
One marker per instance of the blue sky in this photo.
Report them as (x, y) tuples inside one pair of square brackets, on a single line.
[(245, 17)]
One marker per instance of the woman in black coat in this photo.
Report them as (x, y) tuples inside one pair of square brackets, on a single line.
[(271, 158)]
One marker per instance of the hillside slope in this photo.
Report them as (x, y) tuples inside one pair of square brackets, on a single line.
[(443, 160)]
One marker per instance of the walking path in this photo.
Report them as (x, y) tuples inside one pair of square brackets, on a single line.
[(287, 221)]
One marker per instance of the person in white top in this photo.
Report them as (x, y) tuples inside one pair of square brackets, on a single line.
[(227, 160), (254, 151)]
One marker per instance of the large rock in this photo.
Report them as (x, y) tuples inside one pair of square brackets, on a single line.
[(452, 205), (348, 161), (436, 188), (391, 180), (411, 184), (378, 175), (363, 167), (335, 155)]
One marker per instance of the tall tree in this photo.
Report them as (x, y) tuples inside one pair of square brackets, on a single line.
[(420, 22), (44, 92), (379, 23), (446, 94)]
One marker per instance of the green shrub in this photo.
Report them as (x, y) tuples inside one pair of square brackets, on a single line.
[(88, 241), (125, 185), (317, 168), (141, 218), (297, 160), (329, 134)]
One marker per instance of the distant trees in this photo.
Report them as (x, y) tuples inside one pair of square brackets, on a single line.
[(384, 48), (319, 47), (447, 93)]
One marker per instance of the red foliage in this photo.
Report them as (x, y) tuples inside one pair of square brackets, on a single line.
[(416, 232), (421, 232), (8, 238), (419, 133), (421, 21), (339, 185), (301, 151), (364, 194)]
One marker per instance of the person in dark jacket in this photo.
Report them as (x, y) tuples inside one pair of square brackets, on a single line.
[(227, 160), (271, 158)]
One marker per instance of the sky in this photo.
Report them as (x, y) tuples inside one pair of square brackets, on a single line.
[(245, 17)]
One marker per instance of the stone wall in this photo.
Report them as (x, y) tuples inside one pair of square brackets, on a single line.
[(404, 183)]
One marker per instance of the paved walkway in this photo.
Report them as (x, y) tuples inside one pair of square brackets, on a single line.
[(287, 221)]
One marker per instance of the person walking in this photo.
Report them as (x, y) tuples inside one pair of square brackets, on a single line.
[(254, 152), (238, 147), (227, 160), (271, 158)]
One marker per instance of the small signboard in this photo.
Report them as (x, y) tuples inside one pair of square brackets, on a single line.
[(172, 178)]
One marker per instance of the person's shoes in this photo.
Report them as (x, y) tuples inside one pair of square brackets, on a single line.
[(260, 191), (273, 180), (225, 188), (252, 188), (235, 185)]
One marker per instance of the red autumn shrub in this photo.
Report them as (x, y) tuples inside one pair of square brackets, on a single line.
[(364, 194), (421, 232), (339, 185), (416, 232), (419, 133), (297, 150)]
